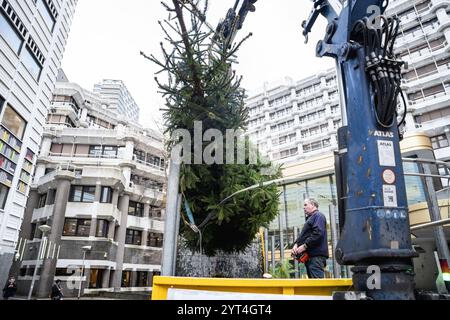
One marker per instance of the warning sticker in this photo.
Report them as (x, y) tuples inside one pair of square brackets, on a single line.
[(390, 196), (386, 153)]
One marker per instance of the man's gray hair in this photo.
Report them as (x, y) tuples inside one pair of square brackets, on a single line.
[(313, 202)]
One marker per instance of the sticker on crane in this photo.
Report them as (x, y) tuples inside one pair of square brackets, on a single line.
[(390, 196), (389, 176), (386, 153)]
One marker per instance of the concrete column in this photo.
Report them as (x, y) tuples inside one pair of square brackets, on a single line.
[(64, 179), (87, 275), (147, 210), (126, 171), (133, 282), (32, 203), (39, 173), (410, 123), (25, 231), (129, 149), (45, 146), (98, 191), (105, 279), (123, 207), (111, 229), (84, 113), (147, 217), (115, 198)]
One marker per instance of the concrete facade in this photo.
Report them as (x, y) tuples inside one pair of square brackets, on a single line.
[(99, 183), (296, 120), (118, 97), (33, 35), (423, 43)]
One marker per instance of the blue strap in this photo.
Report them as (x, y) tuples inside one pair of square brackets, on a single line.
[(189, 212)]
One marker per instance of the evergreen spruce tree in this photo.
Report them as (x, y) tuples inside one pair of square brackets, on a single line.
[(202, 86)]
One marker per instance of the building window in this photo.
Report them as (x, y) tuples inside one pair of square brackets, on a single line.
[(63, 272), (14, 122), (102, 229), (46, 14), (106, 196), (23, 271), (126, 279), (155, 240), (95, 279), (82, 194), (439, 142), (77, 228), (42, 200), (136, 209), (142, 278), (3, 196), (133, 237), (140, 155), (110, 152), (31, 63), (9, 34), (106, 151)]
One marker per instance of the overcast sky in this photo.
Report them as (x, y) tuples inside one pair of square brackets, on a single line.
[(107, 35)]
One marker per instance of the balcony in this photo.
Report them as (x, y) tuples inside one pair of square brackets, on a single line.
[(148, 164), (147, 193), (436, 76), (89, 209), (433, 124), (42, 213), (443, 153), (435, 100)]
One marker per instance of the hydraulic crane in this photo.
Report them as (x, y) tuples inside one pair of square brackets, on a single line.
[(373, 212), (372, 195), (375, 232)]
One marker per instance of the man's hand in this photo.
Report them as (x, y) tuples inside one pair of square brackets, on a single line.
[(296, 250)]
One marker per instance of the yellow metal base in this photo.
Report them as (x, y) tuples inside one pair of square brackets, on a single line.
[(314, 287)]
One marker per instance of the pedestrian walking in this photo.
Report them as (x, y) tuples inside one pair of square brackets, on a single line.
[(10, 289), (57, 291)]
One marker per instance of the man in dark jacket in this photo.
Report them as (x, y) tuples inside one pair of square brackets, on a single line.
[(313, 240), (56, 291), (10, 288)]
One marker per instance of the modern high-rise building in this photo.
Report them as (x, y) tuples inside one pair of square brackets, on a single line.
[(99, 185), (33, 35), (423, 43), (119, 99), (294, 121), (295, 124)]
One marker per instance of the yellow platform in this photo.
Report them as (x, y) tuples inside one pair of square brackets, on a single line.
[(301, 287)]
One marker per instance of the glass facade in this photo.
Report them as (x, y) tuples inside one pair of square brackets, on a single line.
[(287, 226), (291, 217), (9, 34)]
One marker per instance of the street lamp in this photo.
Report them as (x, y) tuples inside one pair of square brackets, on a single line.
[(85, 249), (44, 229)]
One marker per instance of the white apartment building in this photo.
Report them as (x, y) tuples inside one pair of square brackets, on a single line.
[(99, 183), (33, 36), (423, 43), (294, 121), (119, 99)]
